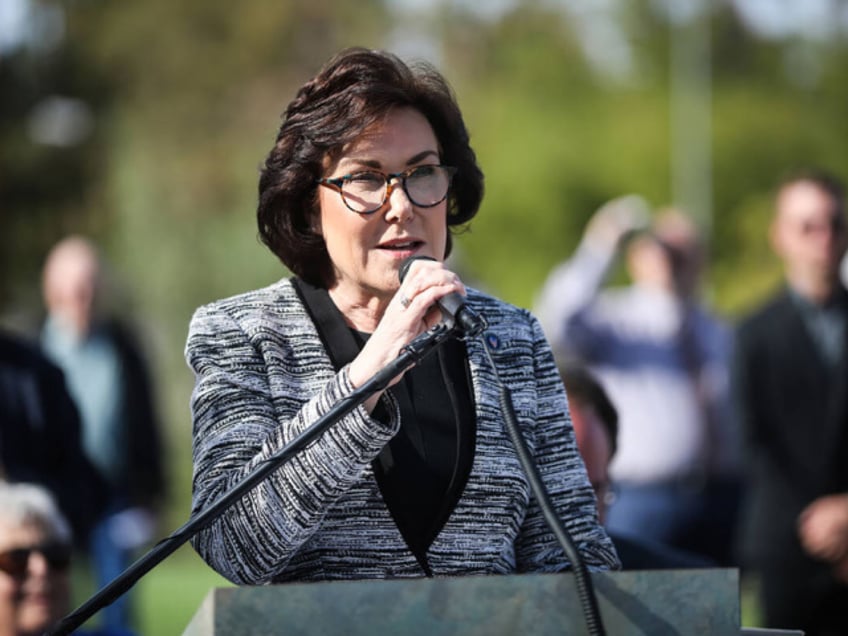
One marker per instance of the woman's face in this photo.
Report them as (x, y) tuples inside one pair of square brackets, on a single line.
[(34, 599), (366, 250)]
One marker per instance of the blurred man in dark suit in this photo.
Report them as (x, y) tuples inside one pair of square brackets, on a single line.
[(790, 381), (40, 434), (110, 381)]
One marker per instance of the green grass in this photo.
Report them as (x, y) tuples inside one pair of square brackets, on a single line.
[(166, 598), (751, 615)]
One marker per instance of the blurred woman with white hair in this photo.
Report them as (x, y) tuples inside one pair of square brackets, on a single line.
[(35, 555)]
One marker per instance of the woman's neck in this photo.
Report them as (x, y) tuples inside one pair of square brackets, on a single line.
[(360, 311)]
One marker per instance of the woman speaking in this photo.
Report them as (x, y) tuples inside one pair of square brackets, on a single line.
[(371, 166)]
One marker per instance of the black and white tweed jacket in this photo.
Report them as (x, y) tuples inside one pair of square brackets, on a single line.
[(262, 376)]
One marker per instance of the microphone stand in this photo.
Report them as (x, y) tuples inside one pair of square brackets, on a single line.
[(410, 355), (582, 579)]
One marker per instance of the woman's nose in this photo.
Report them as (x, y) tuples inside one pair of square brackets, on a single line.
[(400, 207)]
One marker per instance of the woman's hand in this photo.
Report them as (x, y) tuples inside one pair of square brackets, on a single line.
[(412, 311)]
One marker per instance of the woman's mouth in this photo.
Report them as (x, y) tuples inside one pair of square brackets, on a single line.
[(401, 246)]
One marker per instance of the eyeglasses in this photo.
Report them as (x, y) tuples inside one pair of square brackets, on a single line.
[(834, 225), (605, 492), (365, 192), (15, 562)]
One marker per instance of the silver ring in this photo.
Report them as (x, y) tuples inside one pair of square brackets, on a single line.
[(404, 300)]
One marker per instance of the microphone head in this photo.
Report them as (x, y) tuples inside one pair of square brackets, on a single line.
[(404, 266)]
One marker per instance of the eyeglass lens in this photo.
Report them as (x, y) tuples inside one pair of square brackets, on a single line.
[(16, 561), (605, 492), (426, 186)]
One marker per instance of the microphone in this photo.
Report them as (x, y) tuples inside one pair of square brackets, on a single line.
[(453, 306)]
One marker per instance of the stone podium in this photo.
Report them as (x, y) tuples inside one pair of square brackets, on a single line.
[(657, 603)]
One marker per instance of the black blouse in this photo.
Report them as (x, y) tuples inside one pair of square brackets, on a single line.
[(423, 470)]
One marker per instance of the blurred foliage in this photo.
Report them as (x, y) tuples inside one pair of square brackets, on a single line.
[(186, 99)]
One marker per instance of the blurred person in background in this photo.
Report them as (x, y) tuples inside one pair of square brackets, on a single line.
[(595, 421), (35, 558), (40, 434), (109, 381), (373, 165), (790, 382), (663, 358)]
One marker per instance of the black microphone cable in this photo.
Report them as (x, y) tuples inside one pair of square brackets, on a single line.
[(467, 324), (583, 581)]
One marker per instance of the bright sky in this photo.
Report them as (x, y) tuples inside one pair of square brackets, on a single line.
[(779, 18), (22, 22), (607, 47), (770, 18), (12, 23)]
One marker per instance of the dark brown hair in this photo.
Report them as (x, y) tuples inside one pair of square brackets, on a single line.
[(354, 90), (582, 386)]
